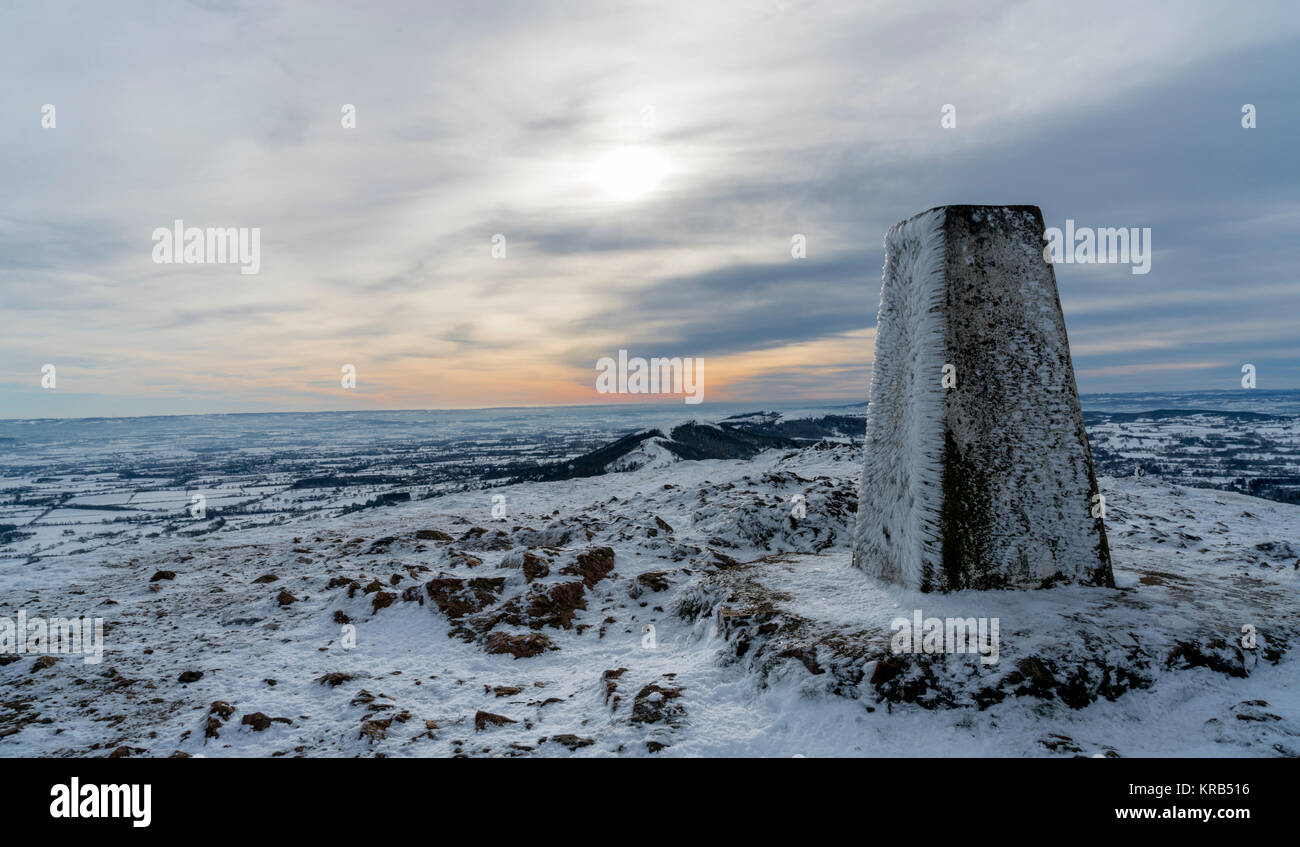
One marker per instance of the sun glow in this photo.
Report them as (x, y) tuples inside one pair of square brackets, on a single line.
[(629, 173)]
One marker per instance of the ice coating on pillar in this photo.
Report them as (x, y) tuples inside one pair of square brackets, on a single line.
[(987, 483)]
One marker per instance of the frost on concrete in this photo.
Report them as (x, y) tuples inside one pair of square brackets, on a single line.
[(988, 483)]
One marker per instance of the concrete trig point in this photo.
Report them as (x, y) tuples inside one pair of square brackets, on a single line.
[(983, 479)]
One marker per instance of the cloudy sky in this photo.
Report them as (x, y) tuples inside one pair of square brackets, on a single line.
[(647, 163)]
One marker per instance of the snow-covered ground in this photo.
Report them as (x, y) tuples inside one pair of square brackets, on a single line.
[(752, 652)]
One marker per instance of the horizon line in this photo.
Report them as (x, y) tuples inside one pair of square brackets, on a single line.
[(827, 402)]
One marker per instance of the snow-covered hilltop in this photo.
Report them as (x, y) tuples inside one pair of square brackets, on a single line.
[(680, 609)]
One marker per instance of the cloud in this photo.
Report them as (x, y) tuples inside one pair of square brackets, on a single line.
[(778, 118)]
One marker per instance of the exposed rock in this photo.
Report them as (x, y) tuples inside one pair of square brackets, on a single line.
[(764, 635), (456, 598), (259, 721), (654, 580), (655, 704), (381, 545), (162, 575), (555, 535), (1217, 655), (43, 662), (573, 742), (483, 719), (1060, 743), (609, 677), (462, 559), (375, 730), (592, 565), (533, 566), (478, 538), (807, 655), (556, 606), (519, 646), (884, 671)]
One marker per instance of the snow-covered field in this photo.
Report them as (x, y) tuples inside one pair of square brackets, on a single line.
[(526, 635)]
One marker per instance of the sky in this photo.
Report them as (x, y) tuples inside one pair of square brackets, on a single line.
[(647, 165)]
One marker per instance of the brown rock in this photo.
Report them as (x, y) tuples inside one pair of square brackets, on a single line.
[(533, 566), (456, 598), (654, 704), (557, 606), (654, 580), (259, 721), (465, 559), (375, 730), (479, 539), (593, 565), (807, 655), (43, 662), (519, 646), (573, 742), (482, 719), (885, 671)]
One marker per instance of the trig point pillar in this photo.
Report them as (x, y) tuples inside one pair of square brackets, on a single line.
[(977, 473)]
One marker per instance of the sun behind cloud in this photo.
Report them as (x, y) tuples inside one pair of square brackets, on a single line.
[(629, 173)]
